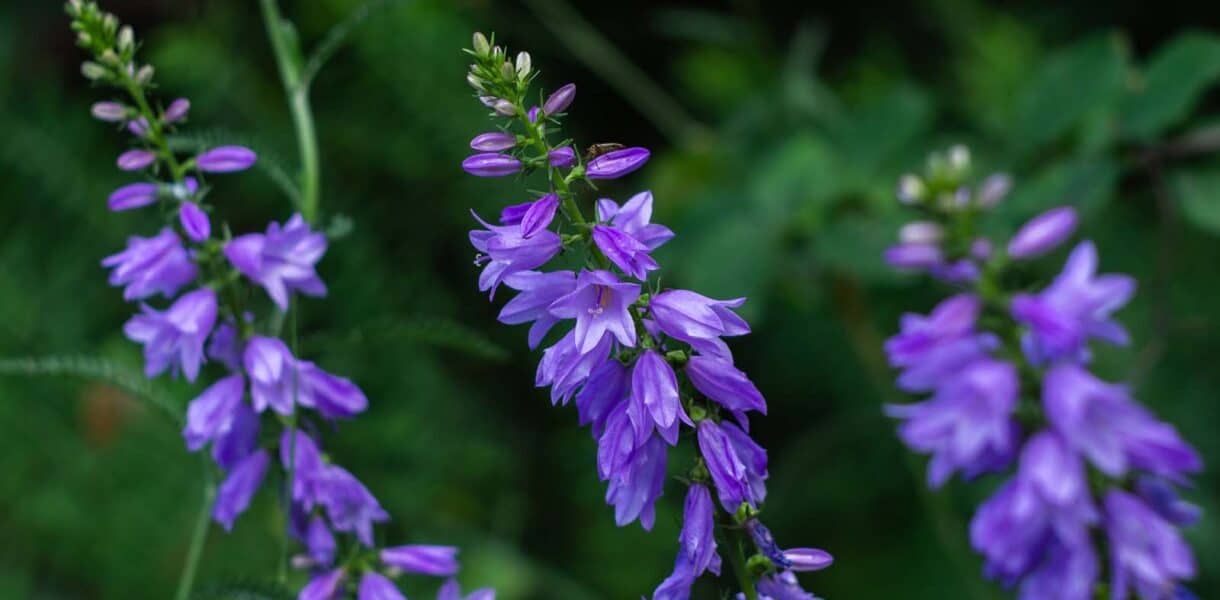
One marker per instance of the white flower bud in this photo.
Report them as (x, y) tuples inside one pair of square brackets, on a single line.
[(93, 71), (959, 158), (505, 108), (921, 232), (911, 189), (144, 75), (480, 44), (523, 64), (127, 39)]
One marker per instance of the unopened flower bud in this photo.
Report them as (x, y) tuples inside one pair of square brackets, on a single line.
[(913, 256), (144, 75), (135, 160), (83, 39), (523, 64), (505, 108), (493, 141), (177, 110), (993, 190), (613, 165), (911, 189), (507, 71), (489, 101), (921, 232), (476, 82), (93, 71), (111, 112), (1043, 233), (110, 58), (491, 164), (959, 158), (559, 100), (110, 23), (126, 40), (479, 44)]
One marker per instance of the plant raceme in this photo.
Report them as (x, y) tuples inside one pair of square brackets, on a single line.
[(1008, 369), (208, 282), (646, 367)]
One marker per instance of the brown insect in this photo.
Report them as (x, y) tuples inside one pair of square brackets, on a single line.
[(597, 150)]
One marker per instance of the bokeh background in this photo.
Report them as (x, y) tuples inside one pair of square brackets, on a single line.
[(778, 132)]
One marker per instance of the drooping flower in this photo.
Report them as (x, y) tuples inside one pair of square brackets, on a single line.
[(210, 415), (635, 219), (424, 559), (1043, 233), (600, 306), (697, 540), (281, 260), (148, 266), (506, 251), (930, 349), (279, 380), (727, 385), (349, 505), (132, 196), (734, 467), (618, 163), (1102, 422), (626, 252), (692, 317), (1073, 309), (537, 292), (375, 586), (634, 489), (194, 221), (967, 425), (1161, 496), (239, 440), (173, 339), (565, 368), (239, 487), (226, 159), (607, 385), (655, 402), (225, 346), (323, 586), (1147, 554), (320, 542)]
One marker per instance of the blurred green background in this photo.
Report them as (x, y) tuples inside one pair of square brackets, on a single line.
[(778, 133)]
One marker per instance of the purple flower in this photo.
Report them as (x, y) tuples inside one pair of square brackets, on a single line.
[(626, 252), (1043, 233), (237, 441), (138, 127), (493, 141), (1162, 497), (299, 453), (155, 265), (226, 159), (323, 586), (451, 591), (565, 368), (807, 559), (765, 543), (238, 488), (225, 346), (194, 221), (210, 415), (320, 542), (349, 505), (618, 163), (721, 381), (559, 100), (1064, 573), (134, 160), (281, 260), (605, 388), (697, 541), (931, 348), (532, 114), (539, 215), (914, 256), (753, 457), (1074, 308), (422, 559), (655, 402), (635, 218), (691, 317), (600, 305), (677, 586), (506, 251), (634, 488), (491, 164), (993, 190), (375, 586), (782, 586), (562, 157), (277, 379), (177, 110), (514, 213), (736, 481), (111, 112), (1102, 422), (131, 196), (538, 291), (173, 339), (967, 425), (1146, 552)]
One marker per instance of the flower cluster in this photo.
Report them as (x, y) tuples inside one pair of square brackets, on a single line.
[(1008, 373), (262, 384), (644, 366)]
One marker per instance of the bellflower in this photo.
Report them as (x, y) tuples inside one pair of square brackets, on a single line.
[(238, 488), (563, 157), (727, 470), (320, 542), (1161, 496), (697, 540), (721, 381), (539, 215), (565, 368), (375, 586), (149, 266), (277, 379), (349, 505), (239, 439), (626, 252), (606, 387), (491, 164), (132, 196), (931, 348), (423, 559), (1147, 554), (323, 586), (507, 251), (493, 141), (600, 306), (226, 159), (1043, 233), (194, 221), (559, 100), (618, 163), (173, 339), (635, 218), (225, 346), (538, 291), (634, 489), (211, 414), (692, 317), (655, 402), (281, 260)]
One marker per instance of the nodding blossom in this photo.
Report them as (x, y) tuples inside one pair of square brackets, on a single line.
[(1009, 383)]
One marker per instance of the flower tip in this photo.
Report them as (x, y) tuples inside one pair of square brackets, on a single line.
[(226, 159)]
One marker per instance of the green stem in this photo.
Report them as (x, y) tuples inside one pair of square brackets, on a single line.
[(186, 581), (737, 560), (287, 59)]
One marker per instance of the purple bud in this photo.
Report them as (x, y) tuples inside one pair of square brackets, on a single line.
[(513, 214), (539, 215), (491, 165), (1043, 233), (807, 559), (913, 256), (981, 248), (111, 112), (921, 232), (134, 195), (226, 159), (134, 160), (504, 108), (493, 141), (177, 110), (613, 165), (423, 559), (138, 127), (993, 190), (532, 115), (194, 221), (560, 99), (562, 157)]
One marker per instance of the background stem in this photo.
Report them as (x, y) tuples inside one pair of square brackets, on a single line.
[(186, 581)]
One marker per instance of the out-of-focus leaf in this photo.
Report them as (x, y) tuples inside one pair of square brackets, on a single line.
[(435, 331), (243, 590), (876, 130), (94, 368), (1177, 76), (855, 245), (1086, 184), (1073, 82), (336, 37), (1198, 194)]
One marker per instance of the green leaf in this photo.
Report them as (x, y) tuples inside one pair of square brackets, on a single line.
[(1068, 86), (90, 367), (1176, 78), (1198, 195)]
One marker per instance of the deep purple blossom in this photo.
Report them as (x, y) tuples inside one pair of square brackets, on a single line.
[(967, 425), (600, 305), (697, 540), (1102, 422), (539, 215), (375, 586), (173, 339), (930, 349), (1147, 554), (807, 559), (210, 415), (281, 260), (239, 439), (323, 586), (678, 585), (655, 403), (491, 164), (608, 384), (737, 467), (320, 542), (1074, 308), (1043, 233), (131, 196), (635, 218), (1161, 496), (134, 160), (633, 489), (155, 265), (559, 100), (194, 221), (225, 346), (565, 368), (452, 591), (727, 385), (177, 110), (618, 163), (493, 141), (423, 559), (563, 157), (239, 487), (514, 213), (505, 251), (112, 112), (537, 292), (626, 252), (349, 505), (277, 379), (226, 159)]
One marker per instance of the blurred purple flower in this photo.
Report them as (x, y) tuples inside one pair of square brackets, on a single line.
[(194, 221), (1043, 233), (173, 339), (149, 266), (281, 260), (135, 160), (238, 488), (422, 559), (131, 196), (226, 159)]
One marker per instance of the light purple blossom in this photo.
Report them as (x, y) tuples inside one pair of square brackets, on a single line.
[(226, 159), (1147, 554), (607, 386), (281, 260), (239, 487), (626, 252), (210, 415), (1043, 233), (618, 163), (505, 251), (424, 559), (914, 256), (323, 586), (112, 112), (138, 127), (194, 221), (634, 488), (930, 349), (737, 469), (277, 378), (727, 385), (134, 160), (375, 586), (177, 110), (539, 215), (491, 164), (563, 157), (493, 141), (225, 346), (600, 305), (537, 292), (149, 266), (173, 339), (655, 403), (635, 219), (565, 368), (697, 540), (559, 100), (320, 542), (807, 559), (132, 196), (349, 505)]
